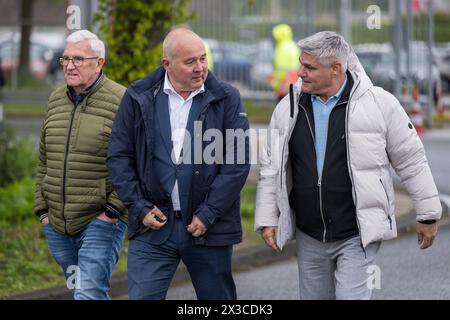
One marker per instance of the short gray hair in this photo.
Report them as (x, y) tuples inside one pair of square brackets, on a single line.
[(328, 47), (97, 45)]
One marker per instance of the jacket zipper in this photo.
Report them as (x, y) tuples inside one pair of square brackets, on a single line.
[(349, 166), (387, 197), (319, 181), (282, 163), (72, 114), (319, 184), (285, 142)]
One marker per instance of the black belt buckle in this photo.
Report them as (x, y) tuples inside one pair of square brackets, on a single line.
[(177, 214)]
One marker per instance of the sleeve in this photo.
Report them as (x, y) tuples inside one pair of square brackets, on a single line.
[(121, 163), (407, 156), (227, 185), (266, 210), (40, 205)]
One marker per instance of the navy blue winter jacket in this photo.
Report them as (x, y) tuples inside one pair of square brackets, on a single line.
[(216, 187)]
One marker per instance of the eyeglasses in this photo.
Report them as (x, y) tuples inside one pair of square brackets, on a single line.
[(77, 61)]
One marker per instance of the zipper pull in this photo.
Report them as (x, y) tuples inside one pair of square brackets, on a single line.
[(390, 221), (319, 183)]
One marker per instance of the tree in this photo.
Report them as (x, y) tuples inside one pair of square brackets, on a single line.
[(133, 31), (26, 11)]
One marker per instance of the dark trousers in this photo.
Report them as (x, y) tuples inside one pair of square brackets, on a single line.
[(151, 267)]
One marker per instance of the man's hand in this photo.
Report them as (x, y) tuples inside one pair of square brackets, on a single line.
[(45, 221), (426, 234), (154, 219), (102, 216), (196, 228), (269, 235)]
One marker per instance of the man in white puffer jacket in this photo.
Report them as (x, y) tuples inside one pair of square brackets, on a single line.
[(325, 172)]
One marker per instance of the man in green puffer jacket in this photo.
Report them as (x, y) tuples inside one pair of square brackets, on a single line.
[(83, 219)]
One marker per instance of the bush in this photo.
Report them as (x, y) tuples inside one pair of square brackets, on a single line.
[(18, 157), (16, 203), (135, 38)]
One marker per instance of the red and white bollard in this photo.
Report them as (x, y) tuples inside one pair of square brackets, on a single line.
[(416, 113)]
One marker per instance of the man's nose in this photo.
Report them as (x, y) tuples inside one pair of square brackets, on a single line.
[(301, 72), (198, 66), (70, 65)]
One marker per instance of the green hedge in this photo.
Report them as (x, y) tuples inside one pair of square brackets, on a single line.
[(18, 157), (16, 202)]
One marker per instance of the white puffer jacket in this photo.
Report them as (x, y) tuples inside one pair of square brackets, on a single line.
[(378, 134)]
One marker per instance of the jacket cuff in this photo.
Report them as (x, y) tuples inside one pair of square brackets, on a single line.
[(427, 221), (206, 216), (42, 214), (111, 211), (39, 212), (145, 210)]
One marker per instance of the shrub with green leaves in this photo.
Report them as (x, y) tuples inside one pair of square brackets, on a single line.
[(133, 31), (16, 202)]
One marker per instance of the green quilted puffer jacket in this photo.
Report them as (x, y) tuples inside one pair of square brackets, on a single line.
[(72, 181)]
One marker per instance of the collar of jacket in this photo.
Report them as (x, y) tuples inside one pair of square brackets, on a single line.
[(92, 88)]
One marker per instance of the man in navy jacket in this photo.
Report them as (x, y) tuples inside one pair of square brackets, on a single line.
[(178, 157)]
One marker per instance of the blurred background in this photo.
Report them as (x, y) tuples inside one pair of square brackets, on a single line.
[(239, 33)]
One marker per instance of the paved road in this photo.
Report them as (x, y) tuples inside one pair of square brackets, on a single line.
[(437, 145), (406, 273)]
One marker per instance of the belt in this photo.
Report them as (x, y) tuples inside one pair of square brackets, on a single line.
[(177, 214)]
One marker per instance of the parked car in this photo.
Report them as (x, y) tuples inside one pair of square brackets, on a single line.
[(42, 51), (55, 71), (262, 65), (231, 61), (443, 63), (371, 54), (39, 58)]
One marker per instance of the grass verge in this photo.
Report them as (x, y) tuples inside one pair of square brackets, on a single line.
[(25, 262), (259, 112)]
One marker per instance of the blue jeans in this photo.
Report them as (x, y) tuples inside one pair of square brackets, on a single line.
[(151, 267), (88, 258)]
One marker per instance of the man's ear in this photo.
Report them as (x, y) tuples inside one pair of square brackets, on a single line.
[(100, 63), (336, 68), (165, 63)]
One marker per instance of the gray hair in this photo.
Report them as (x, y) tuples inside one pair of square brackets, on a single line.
[(97, 45), (328, 47)]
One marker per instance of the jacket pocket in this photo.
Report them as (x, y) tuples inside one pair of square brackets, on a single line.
[(90, 136)]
